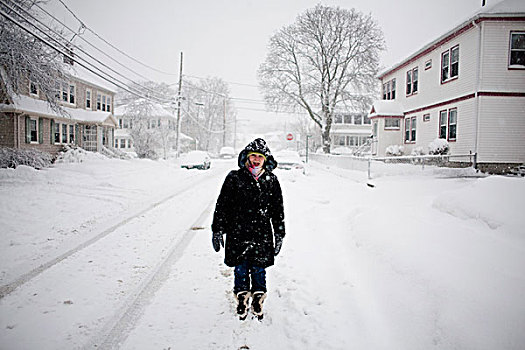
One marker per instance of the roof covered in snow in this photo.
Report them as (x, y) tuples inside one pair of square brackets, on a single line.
[(505, 8), (29, 105), (156, 110), (89, 77), (386, 108)]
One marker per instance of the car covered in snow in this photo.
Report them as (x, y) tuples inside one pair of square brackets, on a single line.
[(289, 160), (196, 160), (227, 153)]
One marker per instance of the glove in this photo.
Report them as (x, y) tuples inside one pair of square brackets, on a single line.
[(278, 244), (217, 241)]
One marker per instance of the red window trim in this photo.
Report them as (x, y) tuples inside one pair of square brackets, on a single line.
[(409, 119), (449, 66)]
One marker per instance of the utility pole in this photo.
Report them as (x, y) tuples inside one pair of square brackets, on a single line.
[(223, 121), (179, 97)]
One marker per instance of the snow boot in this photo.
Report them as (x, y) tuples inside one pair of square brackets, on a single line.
[(257, 304), (242, 304)]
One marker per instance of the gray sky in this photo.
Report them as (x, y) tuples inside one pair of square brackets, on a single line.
[(228, 38)]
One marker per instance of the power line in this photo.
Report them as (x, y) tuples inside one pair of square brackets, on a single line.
[(74, 59), (67, 54), (114, 47), (89, 43)]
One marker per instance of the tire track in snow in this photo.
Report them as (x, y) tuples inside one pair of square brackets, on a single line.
[(21, 280), (118, 328)]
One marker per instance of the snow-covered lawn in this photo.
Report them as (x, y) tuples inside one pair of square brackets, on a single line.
[(419, 261)]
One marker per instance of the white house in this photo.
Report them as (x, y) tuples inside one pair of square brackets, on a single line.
[(349, 131), (467, 86), (153, 119)]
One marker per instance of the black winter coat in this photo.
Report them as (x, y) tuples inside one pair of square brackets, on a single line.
[(249, 213)]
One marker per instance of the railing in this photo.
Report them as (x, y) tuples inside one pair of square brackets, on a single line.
[(380, 166)]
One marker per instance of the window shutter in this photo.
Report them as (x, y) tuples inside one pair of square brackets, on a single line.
[(28, 129), (40, 130), (52, 131)]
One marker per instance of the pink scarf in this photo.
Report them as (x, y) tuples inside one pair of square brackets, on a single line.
[(255, 171)]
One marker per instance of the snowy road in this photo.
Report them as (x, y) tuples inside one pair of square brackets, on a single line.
[(420, 261)]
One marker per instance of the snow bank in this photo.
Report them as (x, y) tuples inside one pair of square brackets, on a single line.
[(470, 203)]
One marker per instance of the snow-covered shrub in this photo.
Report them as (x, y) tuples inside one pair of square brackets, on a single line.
[(438, 147), (13, 157), (395, 150), (76, 154), (418, 151), (115, 153)]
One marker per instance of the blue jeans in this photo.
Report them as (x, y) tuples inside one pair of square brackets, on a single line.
[(246, 273)]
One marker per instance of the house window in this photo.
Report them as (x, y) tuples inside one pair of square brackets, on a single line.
[(99, 101), (450, 64), (409, 82), (412, 81), (56, 132), (428, 64), (393, 97), (358, 119), (103, 103), (108, 106), (517, 50), (366, 120), (392, 123), (448, 124), (71, 133), (410, 129), (33, 89), (64, 133), (67, 92), (426, 117), (33, 130), (338, 119), (88, 99), (389, 90), (452, 123)]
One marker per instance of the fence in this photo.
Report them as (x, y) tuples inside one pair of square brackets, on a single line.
[(376, 167)]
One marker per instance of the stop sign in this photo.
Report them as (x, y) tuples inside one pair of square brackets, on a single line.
[(289, 137)]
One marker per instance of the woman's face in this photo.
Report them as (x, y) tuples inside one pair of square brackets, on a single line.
[(256, 160)]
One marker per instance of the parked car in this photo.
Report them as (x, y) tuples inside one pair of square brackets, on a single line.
[(519, 170), (289, 160), (227, 153), (196, 160)]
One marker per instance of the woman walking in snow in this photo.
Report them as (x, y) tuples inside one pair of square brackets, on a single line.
[(249, 212)]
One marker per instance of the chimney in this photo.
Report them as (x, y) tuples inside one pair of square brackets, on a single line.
[(69, 60)]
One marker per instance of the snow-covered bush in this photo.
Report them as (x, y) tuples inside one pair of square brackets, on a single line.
[(418, 151), (115, 153), (76, 155), (438, 147), (395, 150), (13, 157)]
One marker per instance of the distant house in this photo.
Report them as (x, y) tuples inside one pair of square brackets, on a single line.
[(27, 121), (350, 131), (152, 118), (467, 86)]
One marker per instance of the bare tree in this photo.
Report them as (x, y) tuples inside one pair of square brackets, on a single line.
[(24, 59), (208, 113), (327, 59)]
